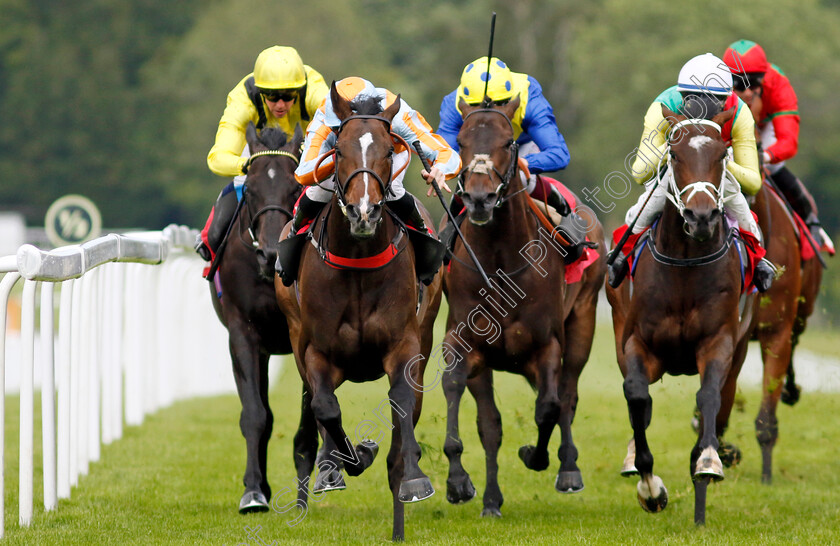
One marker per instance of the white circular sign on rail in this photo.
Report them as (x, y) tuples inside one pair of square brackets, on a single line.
[(71, 220)]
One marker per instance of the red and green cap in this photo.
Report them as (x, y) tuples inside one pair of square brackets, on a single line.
[(745, 56)]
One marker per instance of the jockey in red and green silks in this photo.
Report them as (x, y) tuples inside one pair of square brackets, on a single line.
[(772, 100)]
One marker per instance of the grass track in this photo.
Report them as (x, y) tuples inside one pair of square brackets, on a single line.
[(177, 479)]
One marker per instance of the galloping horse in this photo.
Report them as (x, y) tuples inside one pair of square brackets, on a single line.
[(243, 294), (350, 320), (531, 323), (683, 316)]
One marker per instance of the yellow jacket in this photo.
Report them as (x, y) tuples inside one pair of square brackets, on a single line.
[(225, 158), (744, 166)]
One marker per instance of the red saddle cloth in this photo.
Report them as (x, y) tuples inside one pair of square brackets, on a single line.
[(574, 270), (754, 252)]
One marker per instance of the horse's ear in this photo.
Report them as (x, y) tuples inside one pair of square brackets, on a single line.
[(251, 135), (671, 117), (510, 108), (391, 112), (340, 105), (465, 108), (725, 116), (297, 139)]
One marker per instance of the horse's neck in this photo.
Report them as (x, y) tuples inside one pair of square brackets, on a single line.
[(512, 228), (673, 241)]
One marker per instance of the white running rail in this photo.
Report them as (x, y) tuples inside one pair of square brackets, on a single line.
[(122, 348)]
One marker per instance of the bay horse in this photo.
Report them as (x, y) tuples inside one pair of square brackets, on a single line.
[(683, 316), (350, 321), (242, 292), (531, 323)]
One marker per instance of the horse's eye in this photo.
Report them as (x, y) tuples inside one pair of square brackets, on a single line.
[(337, 151), (391, 152), (509, 143)]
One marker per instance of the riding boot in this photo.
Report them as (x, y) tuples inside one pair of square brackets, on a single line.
[(618, 269), (306, 211), (406, 208), (795, 193), (221, 215), (557, 201), (763, 275)]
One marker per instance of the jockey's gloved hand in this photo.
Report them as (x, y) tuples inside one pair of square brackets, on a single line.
[(435, 175)]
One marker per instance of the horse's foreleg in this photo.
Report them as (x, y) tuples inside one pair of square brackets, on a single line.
[(715, 364), (459, 487), (777, 354), (305, 445), (544, 372), (329, 476), (323, 379), (489, 422), (580, 327), (250, 370), (405, 397), (650, 491)]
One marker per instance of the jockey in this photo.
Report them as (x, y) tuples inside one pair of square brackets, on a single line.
[(321, 136), (769, 94), (281, 92), (541, 146), (704, 89)]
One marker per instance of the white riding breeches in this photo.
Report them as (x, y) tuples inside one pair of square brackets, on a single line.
[(768, 138), (323, 191)]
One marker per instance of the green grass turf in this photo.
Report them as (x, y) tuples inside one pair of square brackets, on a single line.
[(177, 478)]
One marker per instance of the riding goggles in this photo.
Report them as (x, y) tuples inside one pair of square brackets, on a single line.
[(274, 96), (742, 82)]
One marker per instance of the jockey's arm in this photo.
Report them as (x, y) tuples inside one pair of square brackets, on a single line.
[(744, 166), (785, 119), (652, 145), (225, 157), (411, 126), (450, 120), (541, 126), (320, 139)]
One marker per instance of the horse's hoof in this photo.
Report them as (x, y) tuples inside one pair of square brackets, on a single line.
[(532, 459), (329, 480), (652, 495), (729, 454), (365, 454), (491, 512), (709, 465), (791, 393), (253, 501), (460, 490), (569, 482), (416, 489)]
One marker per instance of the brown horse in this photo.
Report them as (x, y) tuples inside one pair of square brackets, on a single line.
[(243, 294), (781, 317), (683, 315), (531, 323), (360, 322)]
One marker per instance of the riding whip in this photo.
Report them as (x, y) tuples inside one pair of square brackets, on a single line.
[(617, 250), (490, 53), (449, 213)]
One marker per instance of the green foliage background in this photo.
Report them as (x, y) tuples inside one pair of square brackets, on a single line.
[(119, 100)]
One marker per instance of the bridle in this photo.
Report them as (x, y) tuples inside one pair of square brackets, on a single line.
[(254, 245), (675, 195), (341, 185), (482, 164)]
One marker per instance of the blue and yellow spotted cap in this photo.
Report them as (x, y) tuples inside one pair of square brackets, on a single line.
[(474, 78)]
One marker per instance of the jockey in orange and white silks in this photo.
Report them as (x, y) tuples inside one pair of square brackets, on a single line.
[(704, 88), (321, 136)]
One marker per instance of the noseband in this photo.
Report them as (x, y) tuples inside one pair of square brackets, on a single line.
[(482, 164), (675, 196)]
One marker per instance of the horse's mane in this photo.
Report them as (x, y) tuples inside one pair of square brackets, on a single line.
[(367, 106), (273, 138)]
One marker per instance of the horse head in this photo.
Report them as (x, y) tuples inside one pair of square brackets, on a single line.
[(697, 156), (364, 156), (489, 155), (271, 189)]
